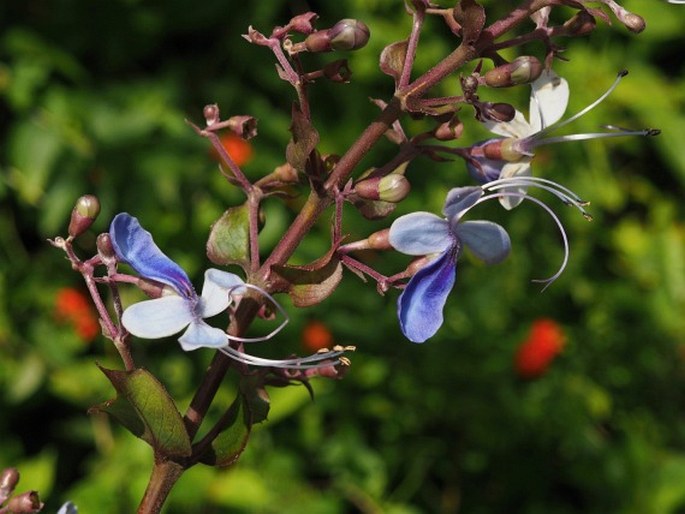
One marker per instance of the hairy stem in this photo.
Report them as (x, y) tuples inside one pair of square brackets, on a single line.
[(164, 476)]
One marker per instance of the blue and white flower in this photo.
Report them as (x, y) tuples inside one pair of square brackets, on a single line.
[(511, 155), (180, 307), (420, 306)]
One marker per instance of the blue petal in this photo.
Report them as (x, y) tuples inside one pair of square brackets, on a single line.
[(134, 246), (420, 305), (420, 233), (487, 240), (68, 508), (459, 200)]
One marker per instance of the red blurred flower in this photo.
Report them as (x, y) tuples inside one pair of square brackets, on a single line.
[(239, 149), (316, 335), (545, 341), (72, 306)]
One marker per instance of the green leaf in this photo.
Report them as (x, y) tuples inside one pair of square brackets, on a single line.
[(145, 408), (229, 237), (231, 441), (256, 399), (304, 140)]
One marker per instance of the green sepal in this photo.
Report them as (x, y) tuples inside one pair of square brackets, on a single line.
[(229, 238), (145, 408)]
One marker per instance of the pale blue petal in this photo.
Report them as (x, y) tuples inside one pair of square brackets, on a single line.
[(549, 98), (201, 335), (420, 233), (460, 199), (161, 317), (487, 240), (217, 290), (134, 246), (420, 305), (521, 168), (481, 168), (68, 508), (517, 128)]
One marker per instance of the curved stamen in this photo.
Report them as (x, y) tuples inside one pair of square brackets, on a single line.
[(513, 194), (317, 360), (554, 126), (564, 194), (278, 306), (594, 135)]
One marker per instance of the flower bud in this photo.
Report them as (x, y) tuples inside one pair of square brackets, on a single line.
[(521, 70), (104, 246), (499, 111), (633, 22), (449, 130), (9, 478), (581, 24), (25, 503), (380, 240), (152, 288), (349, 34), (319, 41), (391, 188), (83, 214), (211, 114)]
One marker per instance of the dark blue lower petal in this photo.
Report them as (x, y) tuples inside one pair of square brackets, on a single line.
[(420, 305)]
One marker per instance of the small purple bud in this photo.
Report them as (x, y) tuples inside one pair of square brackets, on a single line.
[(25, 503), (581, 24), (633, 22), (449, 130), (211, 114), (83, 214), (319, 41), (349, 34), (380, 240), (522, 70), (9, 478), (391, 188), (104, 246), (499, 111)]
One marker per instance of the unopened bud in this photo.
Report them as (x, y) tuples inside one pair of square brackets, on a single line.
[(83, 214), (498, 111), (152, 288), (319, 41), (25, 503), (211, 114), (349, 34), (581, 24), (634, 22), (105, 247), (449, 130), (379, 240), (391, 188), (9, 478), (521, 70)]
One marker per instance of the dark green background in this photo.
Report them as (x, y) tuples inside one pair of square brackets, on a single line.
[(93, 97)]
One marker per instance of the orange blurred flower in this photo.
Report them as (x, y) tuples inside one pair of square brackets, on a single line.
[(239, 149), (316, 335), (72, 306), (545, 341)]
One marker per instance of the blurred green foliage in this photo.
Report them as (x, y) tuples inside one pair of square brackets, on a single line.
[(93, 98)]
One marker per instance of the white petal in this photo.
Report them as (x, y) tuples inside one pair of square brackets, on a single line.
[(549, 98), (201, 335), (161, 317), (217, 290), (517, 128), (487, 240), (420, 233), (515, 169)]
